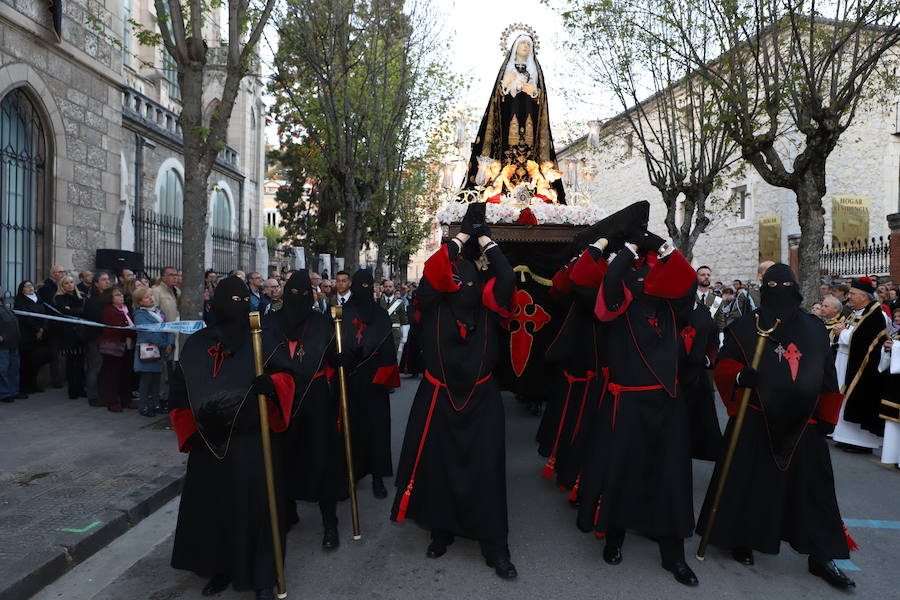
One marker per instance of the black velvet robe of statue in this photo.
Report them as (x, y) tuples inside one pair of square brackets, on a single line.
[(223, 518), (637, 467), (460, 462), (315, 465), (781, 484), (698, 348), (862, 384), (579, 379), (493, 137), (368, 341)]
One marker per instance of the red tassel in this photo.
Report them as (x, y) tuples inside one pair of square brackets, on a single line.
[(851, 543), (404, 504), (573, 495), (547, 473)]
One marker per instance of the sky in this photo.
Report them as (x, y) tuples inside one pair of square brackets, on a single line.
[(474, 28)]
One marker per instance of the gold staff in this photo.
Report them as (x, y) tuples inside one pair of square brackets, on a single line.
[(735, 433), (256, 336), (337, 313)]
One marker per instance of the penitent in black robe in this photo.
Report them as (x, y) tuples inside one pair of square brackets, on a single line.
[(580, 381), (637, 469), (698, 348), (223, 518), (452, 470), (315, 466), (372, 371), (781, 485)]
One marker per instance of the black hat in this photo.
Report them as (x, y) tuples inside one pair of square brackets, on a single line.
[(863, 283)]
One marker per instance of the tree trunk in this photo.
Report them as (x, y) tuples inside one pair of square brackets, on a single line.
[(352, 237), (197, 167), (811, 216)]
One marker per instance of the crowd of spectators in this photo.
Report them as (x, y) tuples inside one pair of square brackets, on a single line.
[(123, 368)]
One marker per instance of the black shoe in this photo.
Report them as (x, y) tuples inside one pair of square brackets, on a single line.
[(265, 594), (502, 566), (8, 399), (612, 554), (743, 556), (96, 402), (682, 573), (216, 585), (378, 489), (330, 539), (147, 412), (21, 396), (830, 572), (436, 549)]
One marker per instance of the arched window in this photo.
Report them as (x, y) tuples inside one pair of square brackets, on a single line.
[(171, 195), (22, 160), (221, 211)]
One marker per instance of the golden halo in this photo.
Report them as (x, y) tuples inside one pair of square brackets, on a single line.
[(518, 28)]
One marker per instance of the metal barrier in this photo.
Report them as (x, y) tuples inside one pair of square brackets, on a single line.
[(855, 258)]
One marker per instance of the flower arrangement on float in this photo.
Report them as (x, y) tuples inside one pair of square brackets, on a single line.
[(535, 212)]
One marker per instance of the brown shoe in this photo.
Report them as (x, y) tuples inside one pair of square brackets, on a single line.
[(114, 408)]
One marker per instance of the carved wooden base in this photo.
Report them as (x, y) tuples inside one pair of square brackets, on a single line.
[(515, 232)]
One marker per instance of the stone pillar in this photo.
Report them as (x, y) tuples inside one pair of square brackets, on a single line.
[(894, 238), (794, 253)]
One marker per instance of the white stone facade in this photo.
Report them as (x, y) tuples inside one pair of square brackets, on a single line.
[(78, 87), (865, 163)]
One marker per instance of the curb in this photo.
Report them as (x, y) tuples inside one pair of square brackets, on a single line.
[(28, 576)]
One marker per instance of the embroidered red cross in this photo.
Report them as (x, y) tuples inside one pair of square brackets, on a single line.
[(218, 354), (688, 334), (792, 355), (360, 329), (521, 339)]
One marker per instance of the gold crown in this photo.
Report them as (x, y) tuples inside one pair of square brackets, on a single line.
[(518, 28)]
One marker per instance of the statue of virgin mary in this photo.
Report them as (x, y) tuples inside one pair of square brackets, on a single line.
[(514, 145)]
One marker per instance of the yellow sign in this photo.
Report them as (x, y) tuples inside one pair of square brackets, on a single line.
[(770, 239), (849, 219)]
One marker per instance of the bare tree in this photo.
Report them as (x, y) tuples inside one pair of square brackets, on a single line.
[(181, 33), (788, 78), (667, 107)]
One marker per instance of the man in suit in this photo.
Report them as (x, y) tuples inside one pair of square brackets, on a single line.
[(342, 291), (705, 293)]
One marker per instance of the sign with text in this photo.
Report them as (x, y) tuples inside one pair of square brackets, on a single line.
[(849, 219), (770, 239)]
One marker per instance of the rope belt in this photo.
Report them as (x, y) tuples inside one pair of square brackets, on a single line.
[(438, 384), (617, 390), (550, 467)]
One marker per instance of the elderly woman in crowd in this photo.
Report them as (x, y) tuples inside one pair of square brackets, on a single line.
[(34, 351), (69, 302), (152, 348), (116, 346)]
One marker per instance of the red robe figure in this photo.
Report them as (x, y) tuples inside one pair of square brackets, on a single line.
[(780, 486), (698, 348), (371, 362), (224, 530), (576, 351), (637, 474), (451, 478), (300, 341)]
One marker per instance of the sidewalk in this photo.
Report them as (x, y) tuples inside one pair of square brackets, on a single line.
[(72, 479)]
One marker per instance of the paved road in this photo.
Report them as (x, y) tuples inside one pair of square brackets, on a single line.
[(554, 560)]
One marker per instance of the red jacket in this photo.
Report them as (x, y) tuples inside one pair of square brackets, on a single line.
[(110, 315)]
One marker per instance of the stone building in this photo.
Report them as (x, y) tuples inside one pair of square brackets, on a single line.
[(863, 176), (91, 150)]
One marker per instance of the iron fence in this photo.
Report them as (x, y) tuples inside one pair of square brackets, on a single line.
[(855, 258), (230, 251), (159, 237)]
